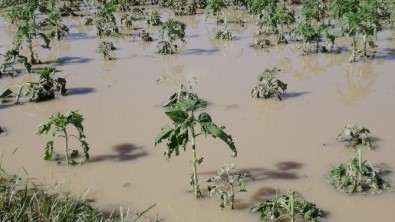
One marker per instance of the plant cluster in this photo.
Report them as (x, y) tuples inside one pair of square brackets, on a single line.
[(269, 86), (288, 206), (357, 175)]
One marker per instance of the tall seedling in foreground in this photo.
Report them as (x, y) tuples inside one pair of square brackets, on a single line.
[(183, 132), (169, 32), (60, 123)]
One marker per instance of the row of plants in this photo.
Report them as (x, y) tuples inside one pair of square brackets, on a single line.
[(317, 24)]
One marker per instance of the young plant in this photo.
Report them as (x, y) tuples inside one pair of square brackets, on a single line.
[(153, 18), (229, 184), (355, 135), (283, 17), (39, 91), (224, 33), (269, 86), (260, 44), (104, 48), (183, 132), (215, 8), (288, 206), (106, 23), (358, 176), (169, 32), (60, 123)]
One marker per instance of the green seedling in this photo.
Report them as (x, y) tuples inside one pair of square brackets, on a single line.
[(283, 17), (183, 132), (215, 7), (104, 48), (229, 184), (261, 44), (358, 176), (288, 206), (106, 23), (182, 95), (355, 135), (60, 123), (153, 18), (169, 32), (145, 36), (39, 91), (224, 33), (269, 86), (54, 25)]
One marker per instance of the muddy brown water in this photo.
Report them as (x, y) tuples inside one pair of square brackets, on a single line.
[(289, 144)]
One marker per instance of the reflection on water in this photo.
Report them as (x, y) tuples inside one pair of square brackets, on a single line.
[(359, 79)]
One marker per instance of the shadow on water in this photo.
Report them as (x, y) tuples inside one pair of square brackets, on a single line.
[(123, 152), (284, 171), (288, 95), (200, 52), (80, 91), (73, 60)]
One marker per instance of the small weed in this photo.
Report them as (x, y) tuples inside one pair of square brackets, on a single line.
[(269, 85), (290, 206), (228, 182)]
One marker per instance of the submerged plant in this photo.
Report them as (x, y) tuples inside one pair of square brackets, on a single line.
[(106, 23), (182, 113), (169, 32), (224, 33), (288, 206), (354, 135), (358, 176), (104, 48), (229, 184), (60, 123), (153, 18), (39, 91), (269, 86), (260, 44)]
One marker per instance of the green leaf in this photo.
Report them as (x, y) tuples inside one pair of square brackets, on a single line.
[(163, 134), (191, 104), (6, 94), (215, 131), (204, 118), (177, 116)]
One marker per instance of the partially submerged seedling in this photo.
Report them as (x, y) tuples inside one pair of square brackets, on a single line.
[(153, 18), (224, 33), (229, 184), (288, 206), (60, 123), (104, 48), (169, 32), (182, 95), (355, 135), (358, 176), (39, 91), (269, 86), (260, 44), (182, 113)]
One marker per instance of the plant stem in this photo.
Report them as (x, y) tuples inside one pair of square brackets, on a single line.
[(359, 166), (66, 146), (291, 205), (194, 170)]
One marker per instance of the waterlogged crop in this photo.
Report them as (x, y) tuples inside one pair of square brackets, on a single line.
[(39, 91), (288, 206), (183, 131), (106, 23), (269, 86), (260, 44), (355, 135), (60, 124), (153, 18), (105, 47), (358, 176), (228, 185), (224, 33), (169, 32)]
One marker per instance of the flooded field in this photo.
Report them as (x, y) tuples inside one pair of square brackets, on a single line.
[(289, 144)]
